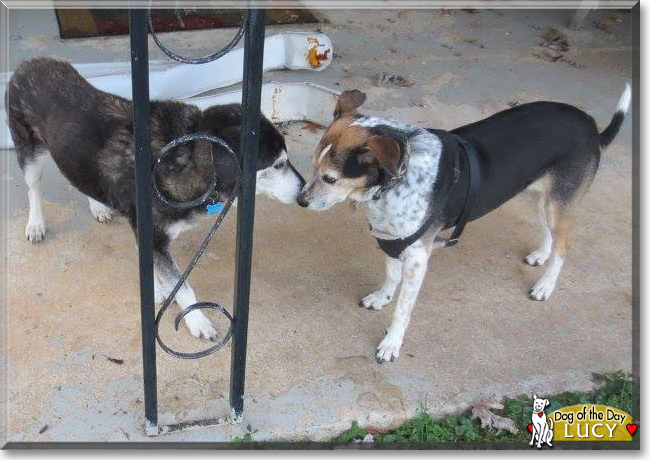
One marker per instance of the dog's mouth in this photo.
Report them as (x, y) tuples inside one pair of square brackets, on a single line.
[(283, 184)]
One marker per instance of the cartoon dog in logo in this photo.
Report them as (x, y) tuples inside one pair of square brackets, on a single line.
[(542, 432)]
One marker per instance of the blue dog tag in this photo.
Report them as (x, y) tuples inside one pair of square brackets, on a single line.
[(214, 208)]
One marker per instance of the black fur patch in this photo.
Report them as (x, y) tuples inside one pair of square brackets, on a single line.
[(354, 166)]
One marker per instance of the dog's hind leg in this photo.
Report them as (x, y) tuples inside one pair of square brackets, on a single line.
[(561, 225), (414, 267), (567, 184), (540, 256), (100, 212), (31, 154), (33, 169), (376, 300)]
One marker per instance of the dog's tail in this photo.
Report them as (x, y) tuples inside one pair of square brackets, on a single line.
[(607, 136), (551, 420)]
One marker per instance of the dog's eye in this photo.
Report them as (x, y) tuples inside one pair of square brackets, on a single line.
[(279, 165), (329, 179)]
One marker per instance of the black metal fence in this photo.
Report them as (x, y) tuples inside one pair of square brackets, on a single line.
[(253, 31)]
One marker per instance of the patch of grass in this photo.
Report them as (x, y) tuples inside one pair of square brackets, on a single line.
[(248, 436), (613, 389)]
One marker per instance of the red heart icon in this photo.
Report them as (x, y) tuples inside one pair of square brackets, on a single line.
[(631, 427), (530, 427)]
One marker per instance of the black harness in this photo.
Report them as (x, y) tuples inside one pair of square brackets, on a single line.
[(393, 248)]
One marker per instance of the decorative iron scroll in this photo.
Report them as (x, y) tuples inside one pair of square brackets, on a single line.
[(210, 195), (147, 189), (205, 197), (197, 60)]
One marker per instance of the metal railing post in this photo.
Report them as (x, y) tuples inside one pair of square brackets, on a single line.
[(251, 96), (143, 182)]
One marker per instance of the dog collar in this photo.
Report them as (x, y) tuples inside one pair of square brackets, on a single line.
[(211, 195), (394, 247)]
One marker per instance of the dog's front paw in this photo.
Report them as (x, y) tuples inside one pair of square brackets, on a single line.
[(543, 288), (35, 231), (100, 212), (200, 326), (537, 258), (388, 349), (375, 300)]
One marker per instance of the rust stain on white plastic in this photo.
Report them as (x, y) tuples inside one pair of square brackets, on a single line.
[(314, 58)]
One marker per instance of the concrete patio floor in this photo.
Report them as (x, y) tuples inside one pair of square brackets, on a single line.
[(73, 299)]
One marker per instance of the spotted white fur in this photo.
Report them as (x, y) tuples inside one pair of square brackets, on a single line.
[(396, 214), (414, 267), (399, 213), (380, 298), (401, 210)]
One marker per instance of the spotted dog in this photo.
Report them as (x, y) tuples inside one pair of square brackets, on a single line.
[(416, 181), (89, 134)]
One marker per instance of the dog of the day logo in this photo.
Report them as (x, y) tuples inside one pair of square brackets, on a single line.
[(582, 422), (542, 432)]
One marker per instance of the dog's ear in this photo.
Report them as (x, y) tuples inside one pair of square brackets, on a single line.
[(348, 103), (534, 397), (387, 151), (546, 402)]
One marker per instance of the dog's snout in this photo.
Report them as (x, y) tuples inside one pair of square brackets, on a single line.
[(302, 201)]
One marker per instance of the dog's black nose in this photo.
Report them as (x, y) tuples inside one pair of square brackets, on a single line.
[(301, 201)]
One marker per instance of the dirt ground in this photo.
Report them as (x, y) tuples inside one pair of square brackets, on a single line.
[(474, 335)]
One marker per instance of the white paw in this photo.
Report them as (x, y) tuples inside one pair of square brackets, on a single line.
[(100, 212), (375, 300), (35, 230), (388, 349), (543, 288), (200, 326), (537, 258)]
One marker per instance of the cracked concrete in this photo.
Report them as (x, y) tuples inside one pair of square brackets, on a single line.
[(73, 299)]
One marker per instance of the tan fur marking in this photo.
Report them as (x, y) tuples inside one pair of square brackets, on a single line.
[(343, 138), (561, 221)]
